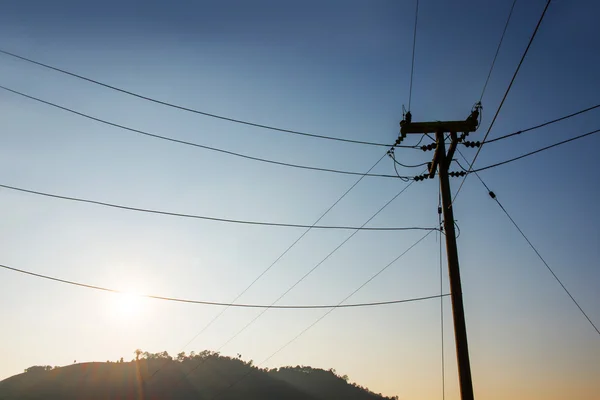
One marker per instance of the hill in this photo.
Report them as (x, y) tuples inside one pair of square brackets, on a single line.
[(206, 375)]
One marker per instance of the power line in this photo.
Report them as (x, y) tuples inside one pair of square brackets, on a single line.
[(393, 157), (505, 95), (321, 317), (495, 198), (146, 133), (179, 107), (497, 50), (442, 361), (290, 247), (220, 304), (541, 125), (314, 268), (535, 151), (547, 266), (412, 65), (203, 217), (304, 276)]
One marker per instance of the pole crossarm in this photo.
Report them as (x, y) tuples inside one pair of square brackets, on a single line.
[(444, 126)]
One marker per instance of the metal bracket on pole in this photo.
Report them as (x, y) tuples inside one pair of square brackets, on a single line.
[(451, 149)]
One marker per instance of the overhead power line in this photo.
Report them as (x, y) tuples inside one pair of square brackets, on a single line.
[(505, 95), (412, 64), (319, 319), (149, 134), (546, 264), (195, 111), (442, 350), (315, 267), (536, 151), (541, 125), (203, 217), (286, 251), (487, 80), (303, 277), (495, 198), (215, 303)]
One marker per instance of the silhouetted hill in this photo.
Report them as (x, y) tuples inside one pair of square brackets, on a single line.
[(323, 384), (205, 375)]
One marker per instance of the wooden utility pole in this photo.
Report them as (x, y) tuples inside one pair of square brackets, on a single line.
[(441, 162)]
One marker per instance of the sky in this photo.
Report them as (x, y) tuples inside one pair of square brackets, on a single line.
[(339, 69)]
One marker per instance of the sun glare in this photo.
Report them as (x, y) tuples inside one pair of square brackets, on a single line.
[(127, 305)]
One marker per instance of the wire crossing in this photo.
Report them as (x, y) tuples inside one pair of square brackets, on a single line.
[(505, 95), (320, 318), (541, 125), (536, 151), (195, 111), (487, 80), (303, 277), (169, 139), (465, 171), (286, 251), (314, 268)]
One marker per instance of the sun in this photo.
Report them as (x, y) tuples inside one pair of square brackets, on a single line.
[(127, 305)]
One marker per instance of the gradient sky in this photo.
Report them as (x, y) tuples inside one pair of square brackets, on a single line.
[(334, 68)]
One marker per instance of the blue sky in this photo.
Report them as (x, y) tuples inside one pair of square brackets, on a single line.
[(333, 68)]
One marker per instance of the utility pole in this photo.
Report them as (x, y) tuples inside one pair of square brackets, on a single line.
[(441, 162)]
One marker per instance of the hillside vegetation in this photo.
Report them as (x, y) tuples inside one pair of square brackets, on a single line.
[(206, 375)]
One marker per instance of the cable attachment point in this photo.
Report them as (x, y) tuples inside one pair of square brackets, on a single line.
[(406, 120), (429, 147), (476, 113), (492, 194), (472, 144), (419, 178)]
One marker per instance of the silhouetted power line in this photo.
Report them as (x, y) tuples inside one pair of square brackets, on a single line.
[(540, 125), (535, 151), (145, 133), (195, 111), (442, 357), (487, 80), (286, 251), (203, 217), (495, 198), (318, 319), (505, 95), (301, 279), (412, 64), (315, 267), (215, 303)]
